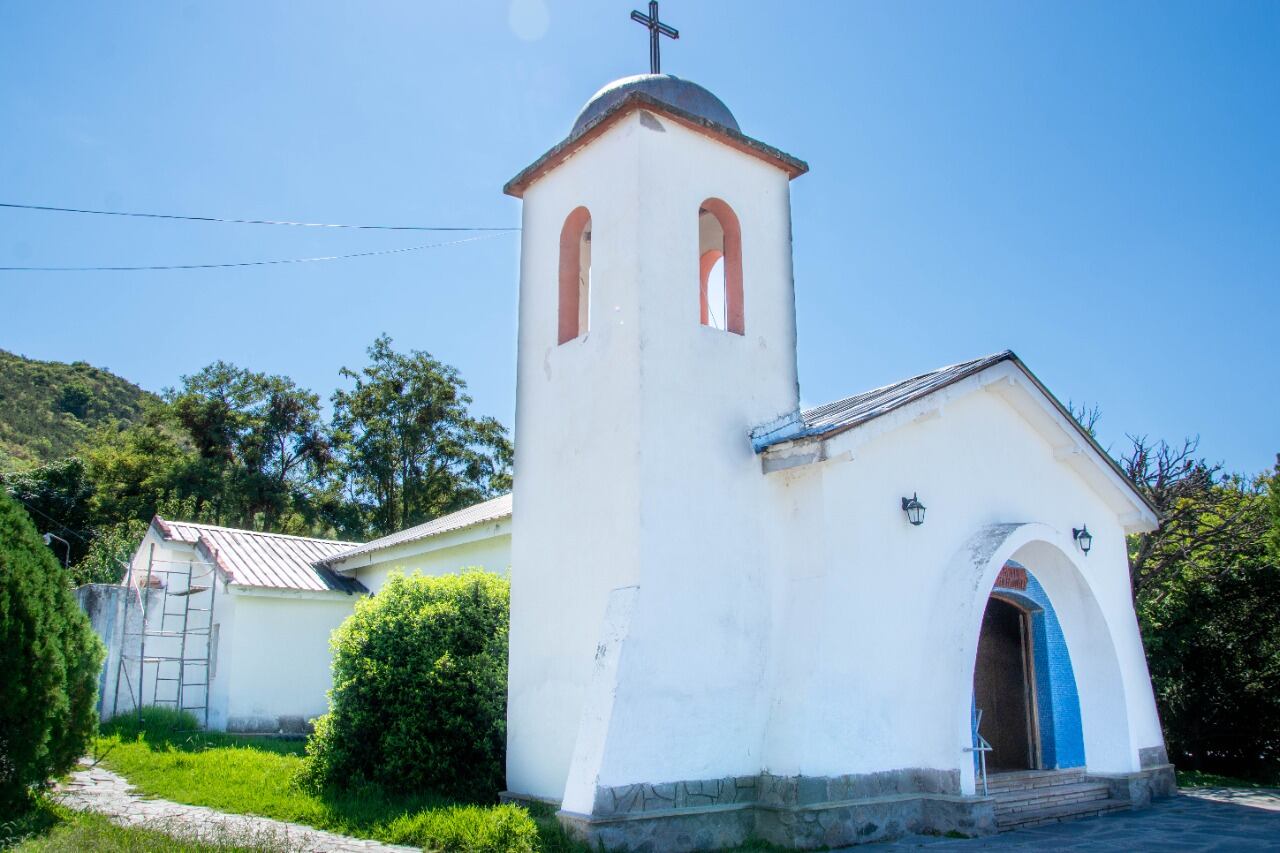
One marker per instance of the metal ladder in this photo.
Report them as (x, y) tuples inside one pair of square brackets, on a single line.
[(177, 582)]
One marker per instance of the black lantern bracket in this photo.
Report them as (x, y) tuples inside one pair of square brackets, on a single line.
[(1084, 539), (914, 509)]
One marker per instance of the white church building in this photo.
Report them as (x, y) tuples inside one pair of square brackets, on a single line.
[(734, 618)]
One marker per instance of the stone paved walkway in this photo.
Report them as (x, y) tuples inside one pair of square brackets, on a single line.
[(99, 790), (1198, 819)]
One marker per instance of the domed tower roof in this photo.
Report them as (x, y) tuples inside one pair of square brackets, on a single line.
[(681, 101), (681, 94)]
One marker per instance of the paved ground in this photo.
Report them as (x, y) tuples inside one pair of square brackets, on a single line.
[(100, 790), (1204, 819)]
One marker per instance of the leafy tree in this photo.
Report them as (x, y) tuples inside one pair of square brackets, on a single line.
[(50, 658), (259, 440), (1213, 639), (109, 552), (57, 495), (75, 399), (134, 466), (419, 690), (1198, 527), (1273, 511), (410, 448), (1207, 591)]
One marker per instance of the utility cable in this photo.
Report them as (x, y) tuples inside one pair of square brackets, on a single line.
[(48, 518), (256, 263), (46, 207)]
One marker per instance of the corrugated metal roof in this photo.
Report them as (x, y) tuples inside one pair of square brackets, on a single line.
[(851, 411), (264, 560), (834, 418), (486, 511)]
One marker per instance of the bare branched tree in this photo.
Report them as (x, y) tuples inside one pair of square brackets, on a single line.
[(1087, 416), (1206, 518)]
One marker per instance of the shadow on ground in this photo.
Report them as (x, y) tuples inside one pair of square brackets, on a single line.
[(1206, 819)]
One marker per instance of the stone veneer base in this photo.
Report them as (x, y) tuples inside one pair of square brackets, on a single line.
[(836, 824), (790, 812), (1140, 788)]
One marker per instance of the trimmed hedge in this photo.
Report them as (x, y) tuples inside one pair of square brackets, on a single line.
[(49, 663), (419, 691)]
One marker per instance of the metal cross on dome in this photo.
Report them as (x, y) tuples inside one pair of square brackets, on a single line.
[(656, 29)]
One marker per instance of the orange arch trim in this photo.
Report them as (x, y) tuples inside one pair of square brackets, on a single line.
[(570, 273), (733, 308)]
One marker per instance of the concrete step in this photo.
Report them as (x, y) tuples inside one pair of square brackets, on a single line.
[(1057, 814), (1032, 799), (1022, 779)]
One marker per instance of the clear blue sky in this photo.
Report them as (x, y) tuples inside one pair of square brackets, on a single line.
[(1094, 185)]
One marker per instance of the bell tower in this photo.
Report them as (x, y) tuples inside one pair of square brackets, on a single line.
[(656, 330)]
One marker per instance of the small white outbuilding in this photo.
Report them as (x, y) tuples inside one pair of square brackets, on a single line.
[(231, 625), (234, 625)]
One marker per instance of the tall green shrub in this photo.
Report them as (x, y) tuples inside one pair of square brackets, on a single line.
[(49, 662), (419, 690)]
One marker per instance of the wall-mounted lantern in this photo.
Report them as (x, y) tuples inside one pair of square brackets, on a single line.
[(914, 509), (1084, 539)]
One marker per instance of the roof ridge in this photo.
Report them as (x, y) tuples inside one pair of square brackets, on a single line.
[(991, 356), (164, 522), (416, 532)]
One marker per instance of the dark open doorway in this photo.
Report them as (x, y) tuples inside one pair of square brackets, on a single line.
[(1003, 687)]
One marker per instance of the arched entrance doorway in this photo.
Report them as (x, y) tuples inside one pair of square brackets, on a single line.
[(1084, 714), (1004, 684)]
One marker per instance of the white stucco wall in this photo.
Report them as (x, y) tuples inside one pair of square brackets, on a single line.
[(633, 466), (875, 646), (861, 630), (222, 654), (485, 546), (275, 657)]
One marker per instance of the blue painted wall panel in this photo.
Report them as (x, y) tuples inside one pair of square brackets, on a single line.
[(1058, 704)]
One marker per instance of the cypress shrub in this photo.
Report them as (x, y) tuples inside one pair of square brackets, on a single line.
[(49, 663), (419, 691)]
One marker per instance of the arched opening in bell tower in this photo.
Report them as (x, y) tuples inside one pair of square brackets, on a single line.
[(575, 275), (720, 267)]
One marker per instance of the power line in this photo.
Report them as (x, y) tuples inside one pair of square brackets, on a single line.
[(47, 517), (51, 208), (256, 263)]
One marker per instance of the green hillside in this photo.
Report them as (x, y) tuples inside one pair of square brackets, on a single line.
[(47, 408)]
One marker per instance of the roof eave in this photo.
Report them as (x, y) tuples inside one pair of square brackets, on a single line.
[(293, 592), (362, 551), (1099, 454), (793, 166)]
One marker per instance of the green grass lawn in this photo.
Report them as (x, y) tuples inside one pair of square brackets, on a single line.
[(1197, 779), (256, 776)]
